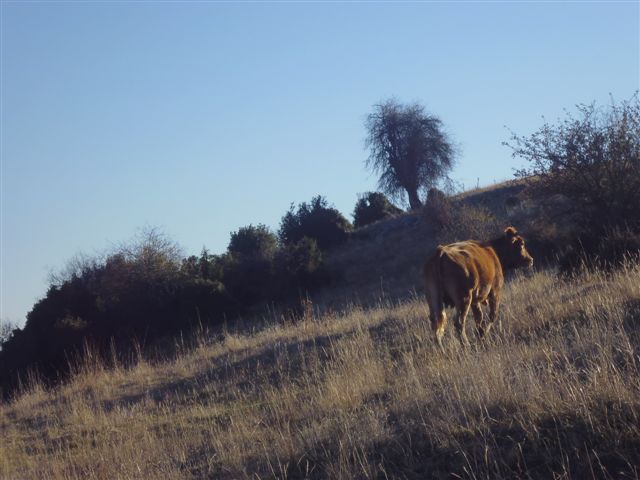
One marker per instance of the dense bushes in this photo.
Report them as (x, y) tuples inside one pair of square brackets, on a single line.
[(299, 266), (248, 265), (591, 164), (207, 266), (140, 291), (145, 289), (249, 280), (315, 220), (253, 242), (593, 160), (613, 248), (372, 207)]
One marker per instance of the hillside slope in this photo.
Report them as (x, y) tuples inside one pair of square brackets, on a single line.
[(356, 388), (363, 393), (386, 258)]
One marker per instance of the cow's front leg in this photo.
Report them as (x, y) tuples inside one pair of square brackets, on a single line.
[(494, 304)]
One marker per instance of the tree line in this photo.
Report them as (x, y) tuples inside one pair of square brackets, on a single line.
[(146, 289)]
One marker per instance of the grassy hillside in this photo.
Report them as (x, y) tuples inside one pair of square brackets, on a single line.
[(356, 388), (361, 393)]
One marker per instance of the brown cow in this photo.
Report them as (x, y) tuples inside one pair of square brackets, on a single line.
[(466, 274)]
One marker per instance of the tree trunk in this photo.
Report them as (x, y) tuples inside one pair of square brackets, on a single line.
[(414, 200)]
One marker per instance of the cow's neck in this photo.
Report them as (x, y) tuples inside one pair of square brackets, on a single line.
[(500, 246)]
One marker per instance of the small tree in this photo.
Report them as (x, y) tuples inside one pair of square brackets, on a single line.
[(316, 220), (371, 207), (248, 269), (207, 266), (254, 242), (592, 159), (299, 265), (408, 149)]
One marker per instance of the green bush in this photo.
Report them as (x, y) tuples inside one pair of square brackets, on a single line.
[(140, 291), (207, 266), (248, 280), (203, 300), (372, 207), (316, 220), (298, 266), (248, 265), (253, 242)]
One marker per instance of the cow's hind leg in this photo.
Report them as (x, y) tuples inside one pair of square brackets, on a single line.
[(494, 304), (434, 295), (463, 310), (438, 323), (437, 316), (478, 318)]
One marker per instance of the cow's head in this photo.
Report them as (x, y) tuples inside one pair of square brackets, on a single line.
[(513, 252)]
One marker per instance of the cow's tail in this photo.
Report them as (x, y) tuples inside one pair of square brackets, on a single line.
[(434, 290)]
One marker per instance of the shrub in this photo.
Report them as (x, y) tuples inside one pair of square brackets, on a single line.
[(298, 266), (461, 221), (207, 266), (457, 220), (616, 246), (593, 160), (253, 242), (316, 220), (248, 269), (248, 280), (203, 300), (139, 291), (372, 207), (438, 208)]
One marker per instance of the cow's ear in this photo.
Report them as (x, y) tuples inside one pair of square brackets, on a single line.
[(510, 232)]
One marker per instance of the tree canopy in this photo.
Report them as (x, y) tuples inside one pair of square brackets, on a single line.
[(316, 220), (408, 148)]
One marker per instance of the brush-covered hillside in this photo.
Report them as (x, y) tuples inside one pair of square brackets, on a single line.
[(355, 387), (386, 257)]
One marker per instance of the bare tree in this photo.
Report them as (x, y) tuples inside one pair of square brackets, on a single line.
[(593, 159), (408, 149)]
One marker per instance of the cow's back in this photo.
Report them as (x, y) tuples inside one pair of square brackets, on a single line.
[(463, 267)]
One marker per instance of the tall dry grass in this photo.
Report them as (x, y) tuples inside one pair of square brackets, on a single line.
[(553, 393)]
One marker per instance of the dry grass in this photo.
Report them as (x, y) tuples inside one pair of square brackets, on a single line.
[(554, 393), (493, 187)]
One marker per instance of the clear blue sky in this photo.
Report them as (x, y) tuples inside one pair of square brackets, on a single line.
[(203, 117)]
